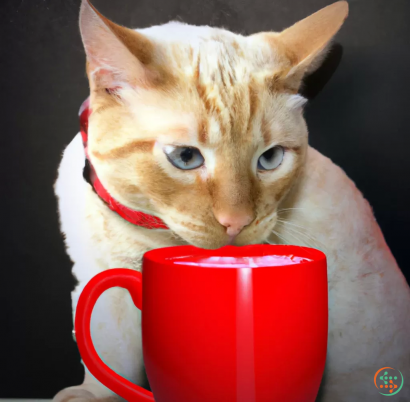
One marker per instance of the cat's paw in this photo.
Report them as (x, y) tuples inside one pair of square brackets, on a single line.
[(78, 394)]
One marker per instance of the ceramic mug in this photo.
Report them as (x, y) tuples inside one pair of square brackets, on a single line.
[(237, 324)]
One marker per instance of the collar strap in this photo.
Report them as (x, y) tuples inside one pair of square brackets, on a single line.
[(135, 217)]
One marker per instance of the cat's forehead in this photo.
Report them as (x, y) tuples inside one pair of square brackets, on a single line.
[(210, 115), (220, 96), (193, 35), (222, 61), (213, 50)]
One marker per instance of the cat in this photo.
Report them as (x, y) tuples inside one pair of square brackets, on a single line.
[(204, 129)]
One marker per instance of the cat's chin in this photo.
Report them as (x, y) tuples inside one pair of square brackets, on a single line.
[(210, 244)]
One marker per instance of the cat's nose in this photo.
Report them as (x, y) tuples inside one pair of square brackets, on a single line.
[(234, 223)]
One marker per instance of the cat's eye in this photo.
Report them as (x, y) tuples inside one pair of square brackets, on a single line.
[(271, 159), (185, 158)]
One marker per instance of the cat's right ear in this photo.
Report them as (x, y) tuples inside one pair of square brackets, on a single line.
[(116, 56), (300, 49)]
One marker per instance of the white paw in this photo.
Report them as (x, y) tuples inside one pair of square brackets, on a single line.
[(78, 394)]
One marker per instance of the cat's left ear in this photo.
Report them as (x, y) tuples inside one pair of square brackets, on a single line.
[(118, 56), (301, 48)]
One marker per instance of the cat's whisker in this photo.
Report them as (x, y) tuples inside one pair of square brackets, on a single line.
[(279, 236), (285, 210), (302, 241), (296, 229), (288, 209), (299, 241), (321, 246), (290, 223)]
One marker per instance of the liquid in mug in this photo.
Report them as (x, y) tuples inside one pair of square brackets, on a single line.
[(242, 262)]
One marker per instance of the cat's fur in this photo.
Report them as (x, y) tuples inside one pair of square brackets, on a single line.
[(232, 97)]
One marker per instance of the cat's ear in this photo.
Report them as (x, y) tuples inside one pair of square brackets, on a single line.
[(303, 46), (116, 55)]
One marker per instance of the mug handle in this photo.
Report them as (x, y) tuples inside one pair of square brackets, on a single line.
[(117, 277)]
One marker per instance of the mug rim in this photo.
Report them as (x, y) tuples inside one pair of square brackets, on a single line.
[(166, 255)]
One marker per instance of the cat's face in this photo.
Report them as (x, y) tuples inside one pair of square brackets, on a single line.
[(208, 134)]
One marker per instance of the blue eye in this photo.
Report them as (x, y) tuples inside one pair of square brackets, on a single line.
[(184, 158), (271, 159)]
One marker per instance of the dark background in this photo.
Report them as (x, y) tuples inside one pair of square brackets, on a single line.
[(359, 120)]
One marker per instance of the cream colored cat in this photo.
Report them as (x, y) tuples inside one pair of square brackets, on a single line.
[(250, 173)]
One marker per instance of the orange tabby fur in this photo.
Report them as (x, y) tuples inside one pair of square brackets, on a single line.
[(233, 98)]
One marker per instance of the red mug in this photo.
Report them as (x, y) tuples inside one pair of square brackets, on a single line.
[(221, 325)]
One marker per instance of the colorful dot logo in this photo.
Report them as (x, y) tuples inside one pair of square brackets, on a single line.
[(388, 381)]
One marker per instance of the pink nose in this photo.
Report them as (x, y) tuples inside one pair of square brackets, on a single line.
[(234, 223)]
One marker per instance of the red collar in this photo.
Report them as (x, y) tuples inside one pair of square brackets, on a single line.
[(135, 217)]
